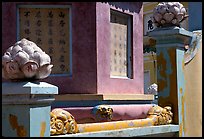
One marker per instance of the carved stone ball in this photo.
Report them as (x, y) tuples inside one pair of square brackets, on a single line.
[(25, 60), (169, 14)]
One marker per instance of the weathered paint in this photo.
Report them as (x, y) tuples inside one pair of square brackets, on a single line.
[(92, 127), (183, 112), (181, 92), (155, 116), (155, 131), (42, 129), (40, 121), (166, 79), (21, 131), (193, 92), (26, 108), (26, 120), (161, 70), (173, 79), (120, 112), (13, 121), (170, 41)]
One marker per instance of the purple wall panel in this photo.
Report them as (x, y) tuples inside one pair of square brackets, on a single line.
[(83, 79), (90, 46), (107, 85), (8, 25)]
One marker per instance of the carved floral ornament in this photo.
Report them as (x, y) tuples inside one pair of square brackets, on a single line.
[(169, 14), (161, 116), (103, 113), (25, 60), (62, 122)]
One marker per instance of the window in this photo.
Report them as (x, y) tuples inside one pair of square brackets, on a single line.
[(121, 47), (49, 27)]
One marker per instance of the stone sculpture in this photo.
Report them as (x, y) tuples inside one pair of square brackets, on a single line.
[(169, 14), (62, 122), (161, 116), (25, 60), (103, 112)]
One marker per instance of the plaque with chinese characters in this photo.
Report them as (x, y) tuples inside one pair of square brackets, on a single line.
[(49, 28), (118, 62)]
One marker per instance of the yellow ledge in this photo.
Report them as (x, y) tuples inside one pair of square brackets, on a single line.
[(148, 131), (74, 97), (93, 127)]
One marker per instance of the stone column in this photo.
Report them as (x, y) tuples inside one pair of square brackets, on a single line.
[(26, 108), (170, 42)]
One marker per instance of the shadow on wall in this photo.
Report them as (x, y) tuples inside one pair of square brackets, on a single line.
[(134, 7)]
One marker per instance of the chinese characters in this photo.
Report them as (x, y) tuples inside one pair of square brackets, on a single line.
[(118, 61), (49, 29)]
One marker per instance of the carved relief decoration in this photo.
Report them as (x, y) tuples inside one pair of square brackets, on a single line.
[(103, 112), (62, 122), (161, 116), (25, 60)]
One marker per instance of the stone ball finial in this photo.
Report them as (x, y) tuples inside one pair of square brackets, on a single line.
[(169, 14), (25, 60)]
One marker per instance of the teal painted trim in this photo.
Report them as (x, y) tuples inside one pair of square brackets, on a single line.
[(35, 87), (171, 45), (40, 121), (159, 32), (171, 35), (181, 90)]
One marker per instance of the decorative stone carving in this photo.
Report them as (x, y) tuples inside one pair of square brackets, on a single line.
[(62, 122), (103, 113), (169, 14), (25, 60), (160, 115)]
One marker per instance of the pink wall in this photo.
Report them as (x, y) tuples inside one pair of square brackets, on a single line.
[(90, 47), (107, 85)]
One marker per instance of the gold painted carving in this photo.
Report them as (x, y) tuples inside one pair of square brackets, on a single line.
[(104, 112), (160, 115), (62, 122)]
